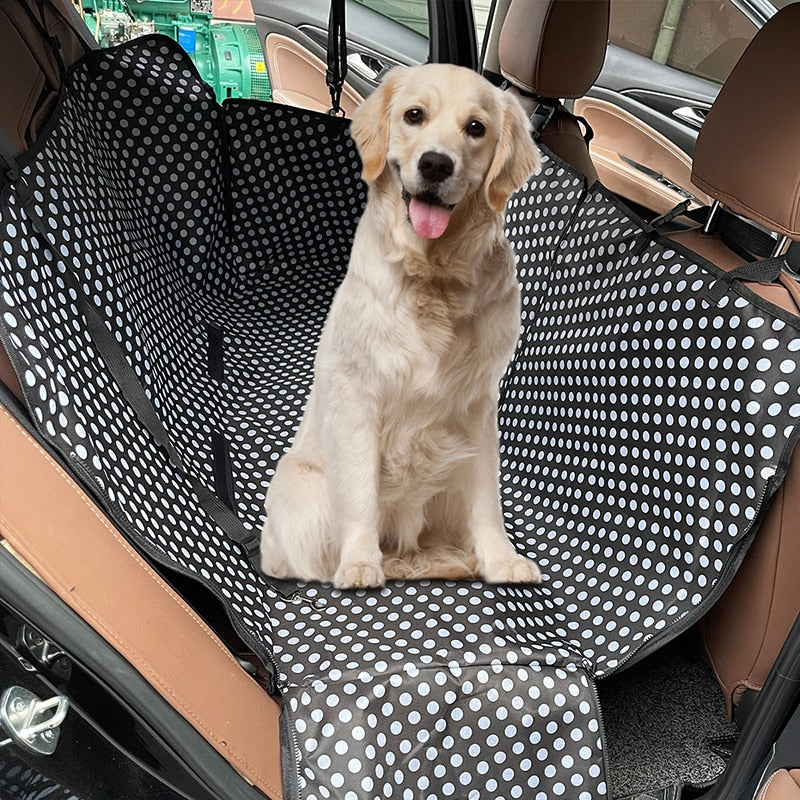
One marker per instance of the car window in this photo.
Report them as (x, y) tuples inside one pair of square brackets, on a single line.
[(412, 14), (480, 9), (700, 37)]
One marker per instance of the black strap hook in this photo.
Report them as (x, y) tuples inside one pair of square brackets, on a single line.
[(337, 56)]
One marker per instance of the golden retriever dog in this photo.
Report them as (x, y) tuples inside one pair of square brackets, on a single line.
[(394, 470)]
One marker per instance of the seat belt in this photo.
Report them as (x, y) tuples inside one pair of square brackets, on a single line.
[(118, 365)]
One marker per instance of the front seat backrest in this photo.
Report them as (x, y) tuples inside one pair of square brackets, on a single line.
[(552, 50), (748, 151)]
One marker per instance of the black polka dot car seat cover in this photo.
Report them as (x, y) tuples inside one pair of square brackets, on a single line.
[(646, 418)]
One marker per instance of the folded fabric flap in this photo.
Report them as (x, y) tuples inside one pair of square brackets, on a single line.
[(520, 729)]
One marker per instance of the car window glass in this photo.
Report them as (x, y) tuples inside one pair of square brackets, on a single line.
[(701, 37), (481, 10), (412, 14)]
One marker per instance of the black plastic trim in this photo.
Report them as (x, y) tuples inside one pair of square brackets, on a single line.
[(779, 698), (451, 28)]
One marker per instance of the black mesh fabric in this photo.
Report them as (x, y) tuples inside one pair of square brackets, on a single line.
[(644, 424)]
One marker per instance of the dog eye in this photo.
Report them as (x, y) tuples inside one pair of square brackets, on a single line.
[(414, 116), (476, 129)]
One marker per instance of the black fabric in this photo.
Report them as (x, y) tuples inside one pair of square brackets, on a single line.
[(223, 476), (642, 427), (124, 375), (337, 55), (746, 238)]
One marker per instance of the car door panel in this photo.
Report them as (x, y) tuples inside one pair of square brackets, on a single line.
[(298, 76), (654, 93), (644, 136), (634, 160), (296, 59), (625, 72), (676, 130)]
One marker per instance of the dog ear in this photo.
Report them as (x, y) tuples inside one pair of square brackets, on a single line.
[(516, 157), (370, 127)]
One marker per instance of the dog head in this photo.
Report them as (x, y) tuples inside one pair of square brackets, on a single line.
[(438, 134)]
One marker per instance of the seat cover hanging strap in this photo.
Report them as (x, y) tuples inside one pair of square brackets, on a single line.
[(337, 56)]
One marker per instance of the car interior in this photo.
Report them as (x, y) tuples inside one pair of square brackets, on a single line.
[(179, 607), (565, 66)]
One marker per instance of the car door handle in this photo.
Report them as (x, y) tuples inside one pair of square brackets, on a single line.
[(366, 66), (691, 115), (660, 178)]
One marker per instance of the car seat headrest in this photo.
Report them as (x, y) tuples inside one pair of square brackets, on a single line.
[(554, 48), (747, 154)]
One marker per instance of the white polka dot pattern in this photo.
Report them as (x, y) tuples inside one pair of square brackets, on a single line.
[(428, 687), (496, 730), (652, 430), (642, 427)]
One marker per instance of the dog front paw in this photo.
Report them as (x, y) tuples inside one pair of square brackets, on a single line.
[(272, 564), (359, 576), (516, 569)]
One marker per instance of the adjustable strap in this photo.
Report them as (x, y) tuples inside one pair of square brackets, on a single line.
[(767, 270), (752, 244), (540, 118), (337, 56), (120, 369), (8, 160), (651, 231), (748, 240), (588, 131), (546, 110), (744, 238)]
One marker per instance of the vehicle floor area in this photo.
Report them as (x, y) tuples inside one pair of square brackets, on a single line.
[(160, 244), (663, 717)]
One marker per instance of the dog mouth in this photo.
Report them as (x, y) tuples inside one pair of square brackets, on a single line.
[(428, 215)]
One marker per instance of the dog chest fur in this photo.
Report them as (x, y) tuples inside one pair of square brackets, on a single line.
[(449, 319)]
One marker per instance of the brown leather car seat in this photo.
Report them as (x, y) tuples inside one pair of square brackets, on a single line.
[(30, 90), (747, 159), (553, 50), (783, 785)]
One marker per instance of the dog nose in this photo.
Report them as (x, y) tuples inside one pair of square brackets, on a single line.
[(435, 167)]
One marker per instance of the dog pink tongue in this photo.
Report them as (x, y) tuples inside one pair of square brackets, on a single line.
[(429, 222)]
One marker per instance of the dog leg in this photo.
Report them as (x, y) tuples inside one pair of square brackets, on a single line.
[(296, 541), (360, 564), (358, 575), (498, 560), (353, 481)]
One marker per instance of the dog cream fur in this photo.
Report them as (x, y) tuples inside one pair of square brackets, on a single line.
[(394, 469)]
